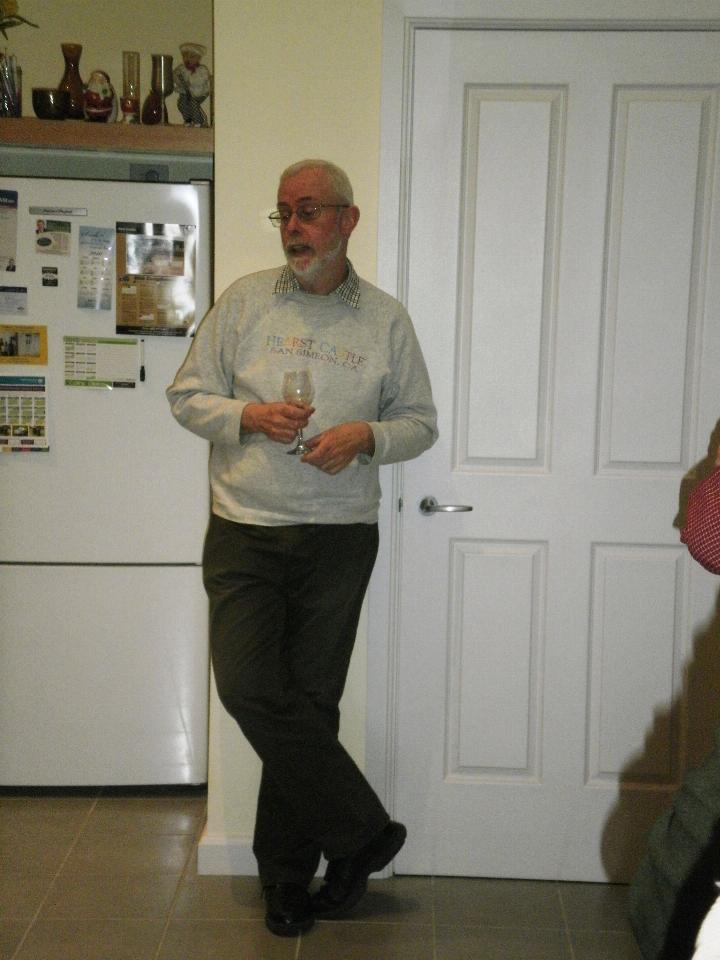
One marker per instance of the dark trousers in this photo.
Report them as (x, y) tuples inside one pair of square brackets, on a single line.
[(284, 608)]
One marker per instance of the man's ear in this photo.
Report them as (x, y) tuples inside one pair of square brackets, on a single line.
[(349, 220)]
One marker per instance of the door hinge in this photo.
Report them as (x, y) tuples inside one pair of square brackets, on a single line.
[(400, 504)]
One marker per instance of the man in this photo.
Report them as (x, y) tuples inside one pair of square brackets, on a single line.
[(292, 540)]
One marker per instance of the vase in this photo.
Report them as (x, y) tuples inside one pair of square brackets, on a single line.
[(152, 109), (72, 81), (130, 100), (161, 86)]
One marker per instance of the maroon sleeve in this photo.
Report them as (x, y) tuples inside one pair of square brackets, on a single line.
[(701, 532)]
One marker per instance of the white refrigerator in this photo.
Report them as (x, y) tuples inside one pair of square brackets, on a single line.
[(104, 668)]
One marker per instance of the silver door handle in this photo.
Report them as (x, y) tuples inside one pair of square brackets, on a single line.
[(430, 505)]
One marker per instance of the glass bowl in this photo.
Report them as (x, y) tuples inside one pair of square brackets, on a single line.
[(49, 103)]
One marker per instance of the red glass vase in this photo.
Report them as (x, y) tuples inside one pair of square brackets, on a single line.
[(72, 81)]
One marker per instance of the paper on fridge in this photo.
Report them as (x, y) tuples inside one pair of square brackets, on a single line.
[(23, 343), (104, 362), (8, 230), (23, 414), (95, 268), (155, 270)]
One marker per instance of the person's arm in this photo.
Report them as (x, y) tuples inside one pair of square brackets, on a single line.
[(701, 528), (407, 419), (279, 421), (332, 450), (201, 395), (202, 398)]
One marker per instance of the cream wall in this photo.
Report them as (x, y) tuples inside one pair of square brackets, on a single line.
[(292, 80), (105, 28)]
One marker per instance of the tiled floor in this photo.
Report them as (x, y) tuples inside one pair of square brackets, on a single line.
[(111, 875)]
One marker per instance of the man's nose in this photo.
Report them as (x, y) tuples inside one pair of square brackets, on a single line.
[(293, 222)]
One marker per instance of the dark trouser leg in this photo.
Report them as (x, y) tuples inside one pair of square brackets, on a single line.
[(284, 606)]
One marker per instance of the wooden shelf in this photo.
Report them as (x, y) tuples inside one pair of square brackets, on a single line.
[(124, 137)]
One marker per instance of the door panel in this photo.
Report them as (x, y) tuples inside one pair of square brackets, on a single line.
[(561, 272)]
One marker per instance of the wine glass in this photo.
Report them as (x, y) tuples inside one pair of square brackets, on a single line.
[(297, 388)]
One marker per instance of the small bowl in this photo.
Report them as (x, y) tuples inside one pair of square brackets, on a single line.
[(50, 103)]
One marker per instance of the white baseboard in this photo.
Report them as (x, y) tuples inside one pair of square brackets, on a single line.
[(220, 854), (231, 855)]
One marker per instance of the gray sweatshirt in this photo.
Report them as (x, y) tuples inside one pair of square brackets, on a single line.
[(366, 364)]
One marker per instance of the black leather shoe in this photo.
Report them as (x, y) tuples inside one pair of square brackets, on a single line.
[(346, 879), (289, 910)]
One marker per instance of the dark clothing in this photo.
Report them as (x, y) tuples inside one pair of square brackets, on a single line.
[(675, 885), (284, 608)]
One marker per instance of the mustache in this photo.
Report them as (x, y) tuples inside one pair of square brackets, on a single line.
[(293, 247)]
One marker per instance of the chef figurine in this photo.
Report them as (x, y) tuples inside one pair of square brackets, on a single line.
[(192, 83), (99, 100)]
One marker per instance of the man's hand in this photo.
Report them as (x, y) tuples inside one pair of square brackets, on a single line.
[(279, 421), (332, 450)]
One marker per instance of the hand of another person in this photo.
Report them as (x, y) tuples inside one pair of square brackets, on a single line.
[(332, 450), (279, 421)]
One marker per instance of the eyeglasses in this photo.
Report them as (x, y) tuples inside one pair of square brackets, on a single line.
[(305, 212)]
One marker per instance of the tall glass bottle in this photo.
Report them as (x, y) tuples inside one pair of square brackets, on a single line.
[(130, 100), (161, 86), (72, 81)]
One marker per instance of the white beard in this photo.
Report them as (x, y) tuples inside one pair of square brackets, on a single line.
[(316, 265)]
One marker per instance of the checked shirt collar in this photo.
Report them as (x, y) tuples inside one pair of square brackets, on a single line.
[(349, 289)]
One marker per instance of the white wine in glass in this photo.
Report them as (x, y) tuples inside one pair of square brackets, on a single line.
[(297, 387)]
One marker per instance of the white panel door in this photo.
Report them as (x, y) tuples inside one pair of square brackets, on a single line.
[(562, 271)]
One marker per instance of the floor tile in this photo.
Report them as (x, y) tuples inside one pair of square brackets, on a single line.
[(57, 817), (161, 815), (11, 933), (32, 856), (219, 898), (397, 900), (604, 945), (92, 940), (113, 896), (506, 903), (20, 897), (225, 940), (471, 943), (349, 940), (135, 856), (595, 906)]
